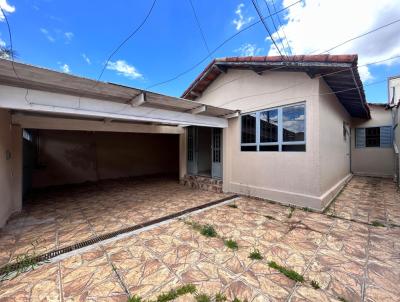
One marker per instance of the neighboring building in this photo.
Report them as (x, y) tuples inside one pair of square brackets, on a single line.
[(289, 131), (292, 143), (393, 104)]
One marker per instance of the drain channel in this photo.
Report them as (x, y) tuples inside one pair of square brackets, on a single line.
[(8, 268)]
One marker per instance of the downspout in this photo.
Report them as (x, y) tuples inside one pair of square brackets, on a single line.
[(359, 93)]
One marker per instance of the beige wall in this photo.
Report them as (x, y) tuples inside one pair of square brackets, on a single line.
[(373, 161), (289, 177), (10, 169), (334, 155), (78, 156)]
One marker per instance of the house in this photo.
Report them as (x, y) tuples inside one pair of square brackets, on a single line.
[(292, 131), (305, 127)]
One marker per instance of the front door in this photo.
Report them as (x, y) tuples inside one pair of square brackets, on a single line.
[(192, 151), (216, 153)]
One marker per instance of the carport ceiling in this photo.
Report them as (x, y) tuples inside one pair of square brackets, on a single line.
[(140, 103)]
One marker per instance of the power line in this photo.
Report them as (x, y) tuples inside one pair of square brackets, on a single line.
[(276, 28), (200, 29), (338, 45), (11, 43), (260, 15), (217, 48), (304, 82), (360, 36), (126, 40), (321, 94), (281, 26), (12, 54)]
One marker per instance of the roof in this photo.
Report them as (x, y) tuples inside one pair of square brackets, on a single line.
[(38, 78), (345, 82)]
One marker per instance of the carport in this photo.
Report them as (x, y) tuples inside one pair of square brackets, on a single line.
[(97, 156)]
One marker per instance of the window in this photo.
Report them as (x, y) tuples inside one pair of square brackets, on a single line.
[(372, 137), (277, 129), (378, 137)]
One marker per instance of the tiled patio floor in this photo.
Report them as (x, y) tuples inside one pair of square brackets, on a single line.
[(368, 199), (352, 260), (64, 216)]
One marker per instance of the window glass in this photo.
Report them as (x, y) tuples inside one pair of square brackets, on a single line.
[(248, 148), (269, 126), (294, 148), (293, 123), (269, 148), (249, 128), (372, 137)]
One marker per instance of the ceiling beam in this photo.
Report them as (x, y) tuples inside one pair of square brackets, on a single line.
[(138, 100), (61, 104), (62, 123), (200, 109)]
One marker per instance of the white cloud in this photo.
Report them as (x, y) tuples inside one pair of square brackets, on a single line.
[(65, 68), (86, 58), (2, 43), (68, 36), (241, 20), (248, 49), (317, 25), (47, 34), (7, 8), (123, 68)]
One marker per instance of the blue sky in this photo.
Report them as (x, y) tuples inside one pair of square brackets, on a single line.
[(78, 36)]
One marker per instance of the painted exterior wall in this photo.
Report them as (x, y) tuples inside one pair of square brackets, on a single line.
[(334, 155), (78, 156), (10, 167), (373, 161), (394, 98), (288, 177)]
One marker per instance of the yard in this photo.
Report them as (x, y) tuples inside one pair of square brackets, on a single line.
[(350, 252)]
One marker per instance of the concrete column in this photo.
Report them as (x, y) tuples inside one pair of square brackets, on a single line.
[(16, 168), (183, 154)]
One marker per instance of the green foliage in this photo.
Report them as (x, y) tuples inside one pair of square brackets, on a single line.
[(377, 223), (306, 209), (203, 298), (220, 297), (208, 231), (291, 274), (232, 244), (291, 212), (205, 230), (238, 300), (255, 255), (135, 299), (232, 205), (315, 284), (186, 289)]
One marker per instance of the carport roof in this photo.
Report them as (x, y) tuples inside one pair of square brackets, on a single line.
[(37, 78), (339, 72)]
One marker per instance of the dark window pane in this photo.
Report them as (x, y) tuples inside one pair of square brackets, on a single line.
[(248, 148), (293, 147), (249, 128), (269, 148), (269, 126), (293, 123), (373, 137)]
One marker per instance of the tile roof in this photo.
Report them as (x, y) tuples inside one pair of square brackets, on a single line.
[(345, 81)]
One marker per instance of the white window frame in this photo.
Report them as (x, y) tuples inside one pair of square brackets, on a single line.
[(280, 141)]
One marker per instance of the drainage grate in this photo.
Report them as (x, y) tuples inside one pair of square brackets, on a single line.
[(49, 255)]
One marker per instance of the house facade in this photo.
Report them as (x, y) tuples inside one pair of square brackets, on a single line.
[(292, 131), (302, 127)]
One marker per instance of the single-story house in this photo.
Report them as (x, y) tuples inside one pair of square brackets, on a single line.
[(291, 131), (305, 127)]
